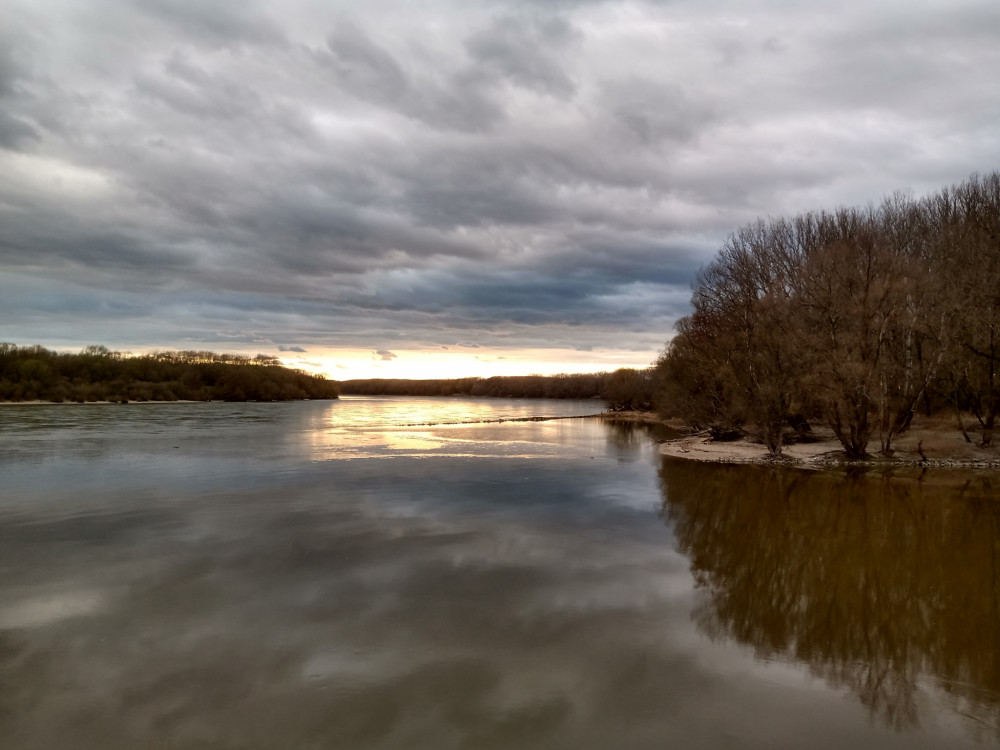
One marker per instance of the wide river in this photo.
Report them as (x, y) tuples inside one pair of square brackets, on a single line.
[(406, 573)]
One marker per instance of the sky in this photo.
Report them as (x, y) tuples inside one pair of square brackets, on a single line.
[(448, 188)]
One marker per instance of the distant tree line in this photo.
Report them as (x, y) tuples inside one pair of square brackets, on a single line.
[(623, 389), (856, 317), (30, 373)]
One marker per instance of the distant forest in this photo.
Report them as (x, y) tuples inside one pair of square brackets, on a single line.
[(33, 373), (29, 373), (857, 317), (623, 389)]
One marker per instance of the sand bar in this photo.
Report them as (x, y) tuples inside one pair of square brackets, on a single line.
[(929, 442)]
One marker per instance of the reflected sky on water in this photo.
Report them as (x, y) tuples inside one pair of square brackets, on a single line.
[(403, 573)]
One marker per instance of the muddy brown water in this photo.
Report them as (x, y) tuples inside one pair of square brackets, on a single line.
[(405, 573)]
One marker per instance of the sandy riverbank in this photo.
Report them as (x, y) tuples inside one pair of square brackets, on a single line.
[(929, 442)]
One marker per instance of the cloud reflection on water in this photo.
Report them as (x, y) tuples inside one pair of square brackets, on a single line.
[(258, 593)]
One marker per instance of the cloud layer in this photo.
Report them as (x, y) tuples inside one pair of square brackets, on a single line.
[(386, 177)]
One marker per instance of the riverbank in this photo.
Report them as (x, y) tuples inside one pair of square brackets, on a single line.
[(929, 442), (92, 403), (145, 401), (641, 417)]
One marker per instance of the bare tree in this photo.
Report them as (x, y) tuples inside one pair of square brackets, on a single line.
[(749, 289), (976, 265), (856, 314), (695, 380)]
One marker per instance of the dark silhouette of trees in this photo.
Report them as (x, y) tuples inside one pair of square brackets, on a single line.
[(628, 389), (578, 386), (855, 317), (625, 389), (745, 297), (975, 267), (692, 378), (97, 374)]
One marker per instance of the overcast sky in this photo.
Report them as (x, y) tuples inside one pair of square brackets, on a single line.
[(392, 188)]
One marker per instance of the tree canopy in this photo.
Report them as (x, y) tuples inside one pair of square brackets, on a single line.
[(624, 389), (856, 317), (97, 374)]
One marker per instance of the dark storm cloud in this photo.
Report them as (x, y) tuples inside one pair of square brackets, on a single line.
[(85, 248), (508, 173), (656, 111), (526, 52), (372, 74), (15, 132), (363, 67)]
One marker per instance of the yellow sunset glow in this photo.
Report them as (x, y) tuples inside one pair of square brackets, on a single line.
[(420, 364)]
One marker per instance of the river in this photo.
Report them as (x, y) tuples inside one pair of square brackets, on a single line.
[(411, 573)]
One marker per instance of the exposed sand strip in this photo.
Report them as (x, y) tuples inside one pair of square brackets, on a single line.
[(928, 443)]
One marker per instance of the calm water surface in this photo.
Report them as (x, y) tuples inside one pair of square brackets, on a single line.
[(406, 573)]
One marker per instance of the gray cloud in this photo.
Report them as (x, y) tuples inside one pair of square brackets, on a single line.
[(655, 111), (371, 73), (14, 132), (363, 67), (214, 24), (511, 174), (526, 52)]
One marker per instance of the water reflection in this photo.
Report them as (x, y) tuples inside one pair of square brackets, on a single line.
[(629, 437), (888, 586), (217, 578), (208, 576), (382, 426)]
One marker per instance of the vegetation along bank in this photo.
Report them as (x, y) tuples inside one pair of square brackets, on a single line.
[(30, 373), (858, 319)]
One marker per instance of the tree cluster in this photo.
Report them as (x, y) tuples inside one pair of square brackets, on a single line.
[(30, 373), (624, 389), (857, 317), (515, 386), (628, 389)]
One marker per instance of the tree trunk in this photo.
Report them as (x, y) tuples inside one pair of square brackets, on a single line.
[(961, 426)]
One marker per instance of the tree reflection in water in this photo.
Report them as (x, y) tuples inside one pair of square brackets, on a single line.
[(886, 585), (629, 436)]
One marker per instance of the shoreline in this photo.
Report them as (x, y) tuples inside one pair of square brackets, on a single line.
[(640, 417), (134, 403), (918, 448), (93, 403), (931, 442)]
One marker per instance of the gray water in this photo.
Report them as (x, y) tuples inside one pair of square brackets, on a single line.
[(406, 573)]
